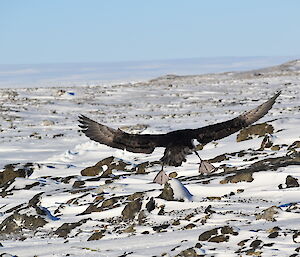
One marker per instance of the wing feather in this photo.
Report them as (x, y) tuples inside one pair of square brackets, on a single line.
[(223, 129), (117, 138)]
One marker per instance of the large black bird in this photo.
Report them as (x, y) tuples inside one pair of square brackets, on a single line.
[(178, 143)]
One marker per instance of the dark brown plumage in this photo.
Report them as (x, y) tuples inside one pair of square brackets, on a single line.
[(178, 143)]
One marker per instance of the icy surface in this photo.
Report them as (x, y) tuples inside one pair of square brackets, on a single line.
[(39, 126)]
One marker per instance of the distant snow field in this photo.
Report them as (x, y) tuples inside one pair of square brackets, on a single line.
[(65, 195)]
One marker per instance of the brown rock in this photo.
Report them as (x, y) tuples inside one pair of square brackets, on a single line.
[(268, 214), (150, 206), (66, 228), (141, 168), (91, 171), (173, 174), (106, 166), (228, 230), (167, 193), (275, 148), (266, 143), (135, 195), (130, 229), (190, 226), (291, 182), (96, 236), (16, 222), (254, 130), (131, 209), (243, 176), (273, 235), (219, 239), (12, 171), (208, 234), (109, 202), (256, 243), (190, 252), (294, 145)]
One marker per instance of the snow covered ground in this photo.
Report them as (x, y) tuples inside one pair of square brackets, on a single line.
[(52, 204)]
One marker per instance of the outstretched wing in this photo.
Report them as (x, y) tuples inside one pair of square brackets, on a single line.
[(223, 129), (117, 138)]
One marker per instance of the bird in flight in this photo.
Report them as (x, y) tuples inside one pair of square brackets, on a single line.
[(178, 143)]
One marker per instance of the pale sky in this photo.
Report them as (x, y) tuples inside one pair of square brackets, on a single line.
[(67, 31)]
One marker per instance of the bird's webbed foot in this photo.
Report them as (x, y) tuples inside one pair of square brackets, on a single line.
[(205, 167), (161, 177)]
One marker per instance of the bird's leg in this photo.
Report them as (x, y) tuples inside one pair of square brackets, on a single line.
[(198, 156)]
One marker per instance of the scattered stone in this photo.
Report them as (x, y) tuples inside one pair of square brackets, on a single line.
[(296, 237), (60, 92), (243, 242), (219, 158), (229, 230), (16, 223), (274, 229), (66, 228), (162, 210), (150, 206), (291, 182), (105, 167), (78, 184), (106, 204), (160, 227), (190, 226), (219, 239), (12, 171), (275, 148), (212, 235), (253, 252), (167, 193), (47, 123), (266, 142), (142, 217), (294, 145), (254, 130), (190, 252), (130, 229), (256, 243), (131, 209), (212, 198), (173, 174), (198, 245), (96, 236), (176, 223), (273, 163), (135, 195), (273, 235), (205, 236), (141, 168), (208, 210), (269, 214), (240, 177), (58, 135), (91, 171)]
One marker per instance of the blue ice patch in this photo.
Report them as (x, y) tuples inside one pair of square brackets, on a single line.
[(48, 214)]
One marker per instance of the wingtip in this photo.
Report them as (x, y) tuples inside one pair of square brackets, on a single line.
[(277, 93)]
